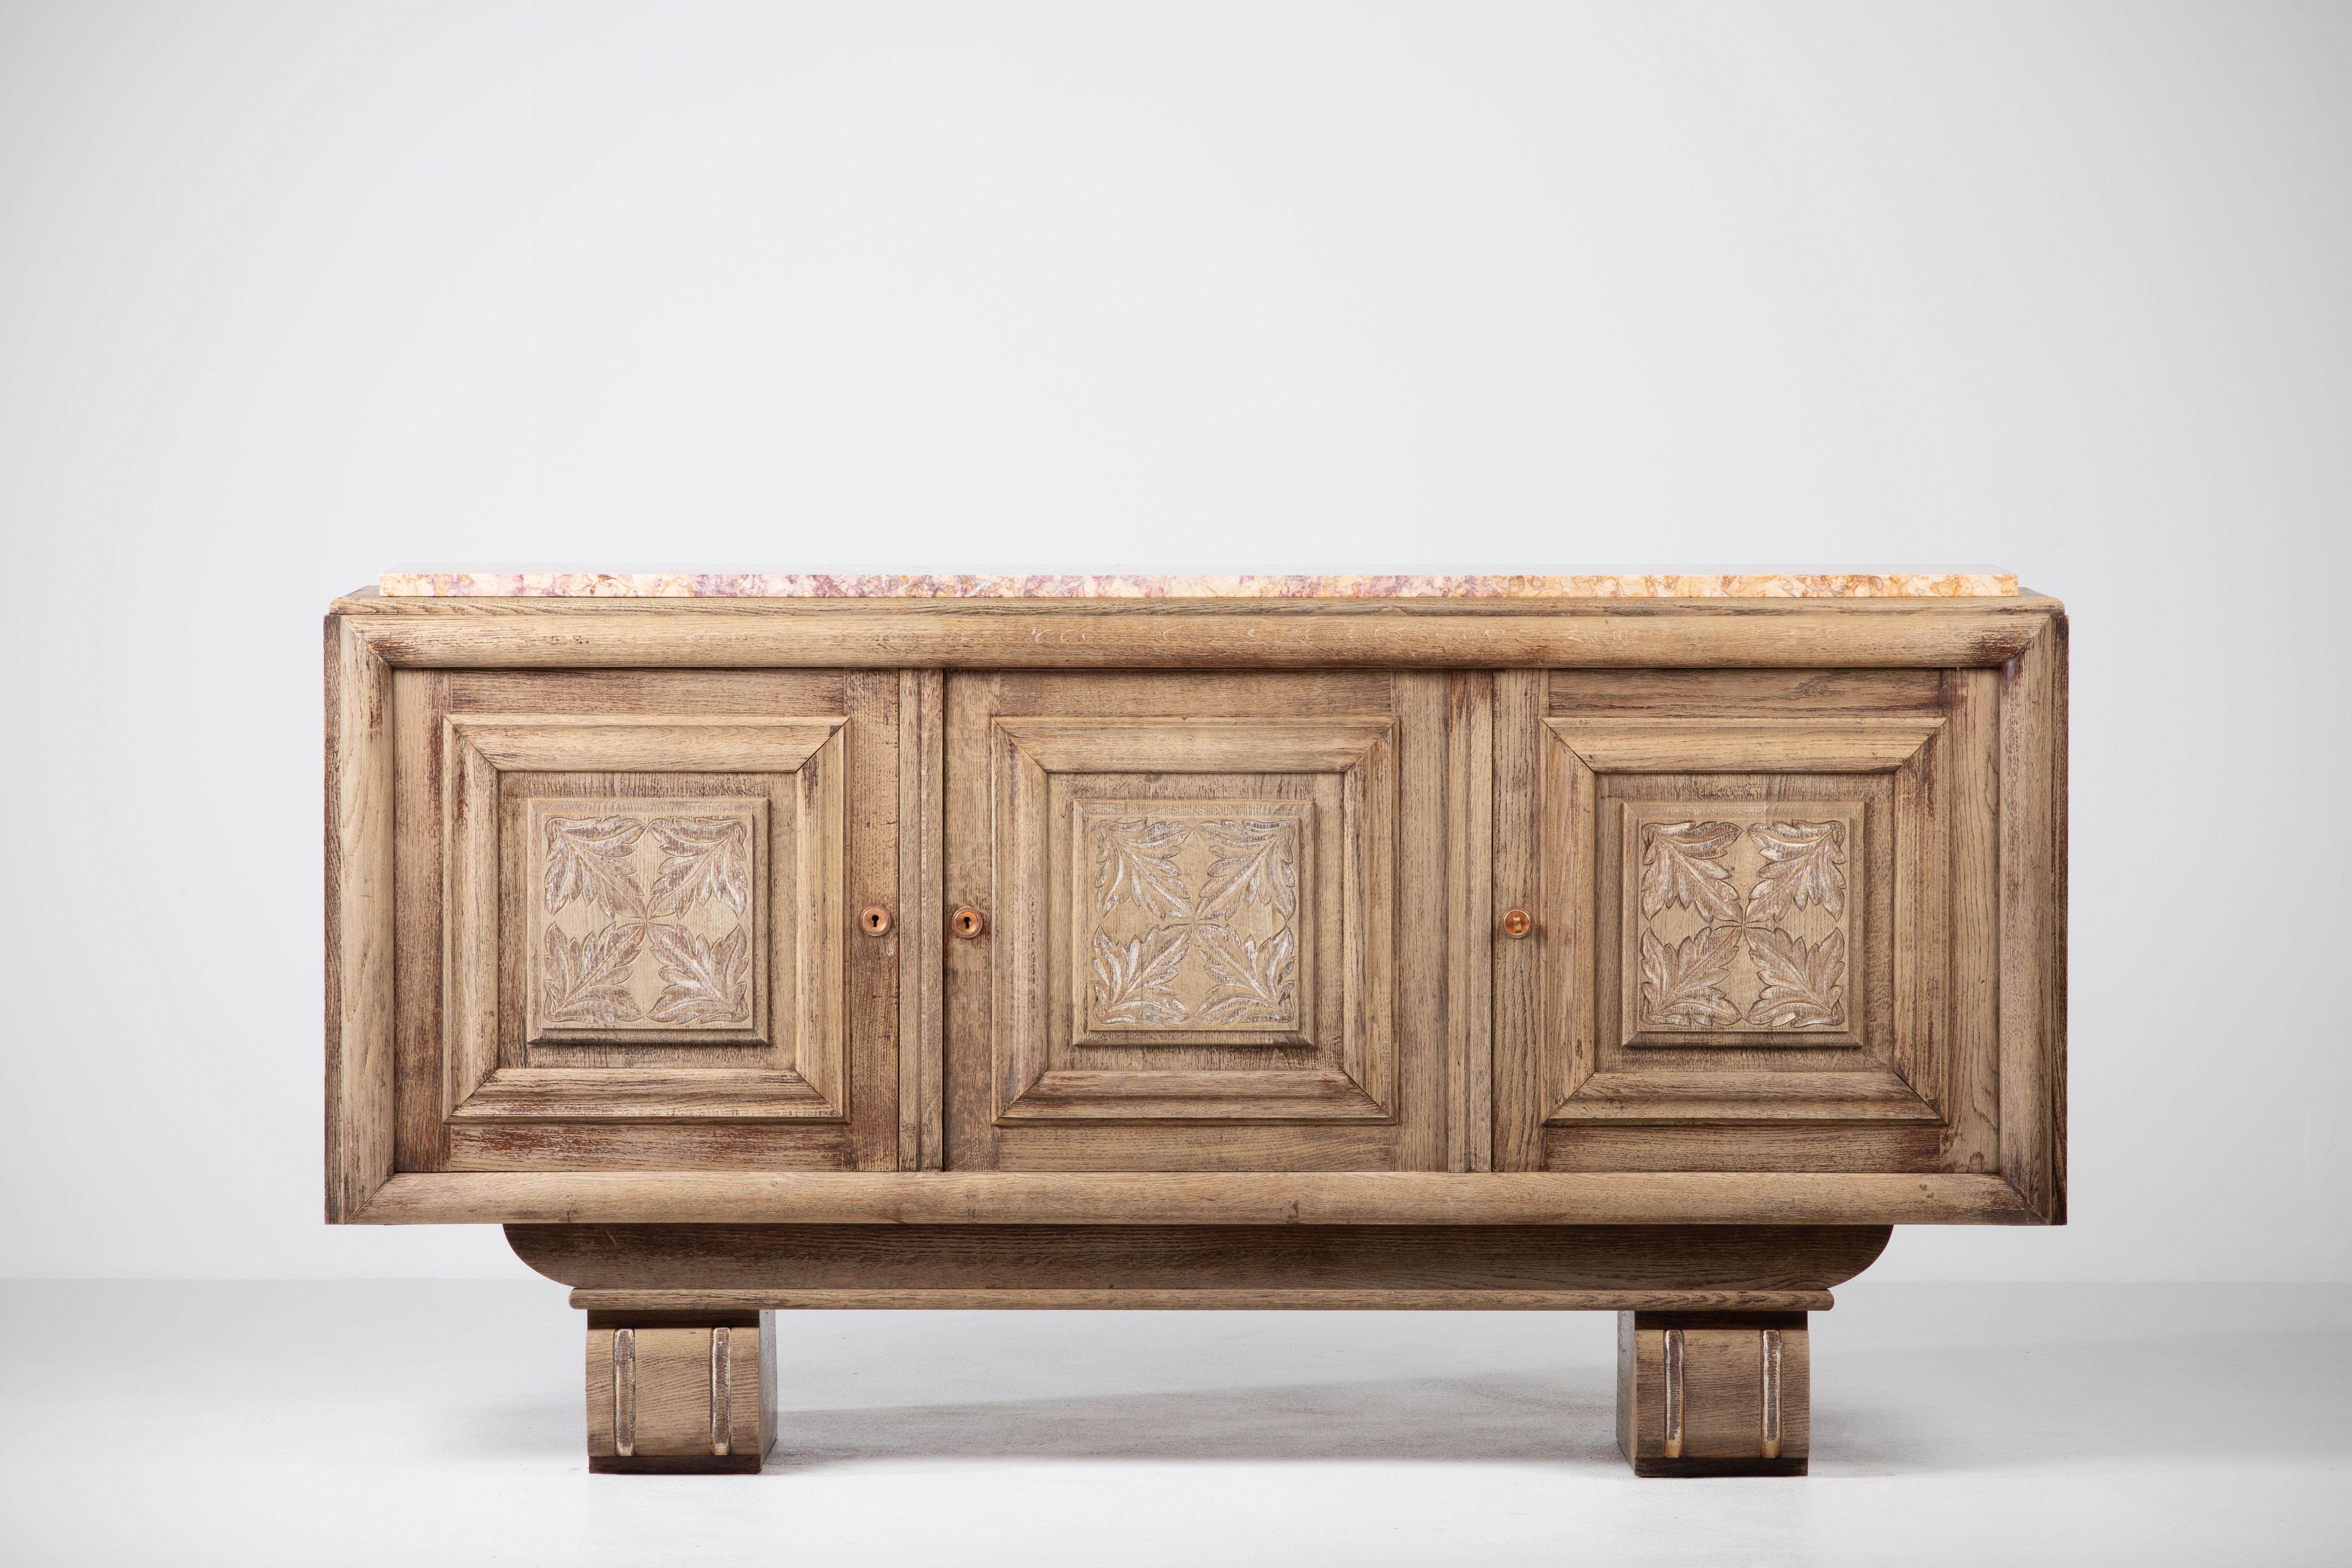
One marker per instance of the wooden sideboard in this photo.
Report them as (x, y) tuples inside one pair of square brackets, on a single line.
[(1646, 956)]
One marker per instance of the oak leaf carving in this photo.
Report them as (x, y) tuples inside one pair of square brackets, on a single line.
[(708, 859), (1134, 982), (1253, 982), (1136, 860), (1804, 863), (587, 981), (1802, 984), (1257, 867), (1681, 983), (588, 857), (707, 982), (1682, 862)]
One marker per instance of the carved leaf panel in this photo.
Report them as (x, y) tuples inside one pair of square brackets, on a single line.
[(587, 981), (1802, 985), (1254, 867), (589, 858), (1252, 982), (644, 919), (704, 981), (1682, 864), (1135, 861), (1680, 984), (1135, 983), (1191, 919), (1740, 921), (1804, 863), (706, 859)]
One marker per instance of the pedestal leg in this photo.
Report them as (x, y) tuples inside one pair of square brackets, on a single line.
[(681, 1393), (1714, 1394)]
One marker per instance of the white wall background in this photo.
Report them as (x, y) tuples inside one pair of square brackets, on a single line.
[(292, 292)]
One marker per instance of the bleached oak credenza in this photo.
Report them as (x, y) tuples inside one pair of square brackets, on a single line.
[(1601, 944)]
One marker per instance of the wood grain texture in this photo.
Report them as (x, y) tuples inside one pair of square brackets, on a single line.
[(430, 876), (1197, 634), (1414, 991), (1526, 877), (1723, 1415), (361, 1110), (548, 743), (1178, 1257), (1797, 744), (921, 934), (1684, 694), (1351, 1197), (607, 1145), (1470, 921), (865, 853), (2032, 922), (668, 1394), (1972, 970)]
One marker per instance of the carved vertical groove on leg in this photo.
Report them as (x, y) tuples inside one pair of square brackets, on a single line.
[(723, 1414), (1714, 1393), (676, 1393), (624, 1392), (1674, 1428)]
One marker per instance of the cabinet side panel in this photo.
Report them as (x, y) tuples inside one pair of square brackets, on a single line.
[(2033, 1051), (1975, 922), (359, 923)]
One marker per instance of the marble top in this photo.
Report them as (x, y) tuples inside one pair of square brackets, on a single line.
[(1949, 582)]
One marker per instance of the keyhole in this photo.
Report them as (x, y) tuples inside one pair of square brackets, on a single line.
[(876, 921), (969, 922)]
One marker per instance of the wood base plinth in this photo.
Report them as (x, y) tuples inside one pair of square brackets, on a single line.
[(680, 1392), (1714, 1394), (1714, 1375)]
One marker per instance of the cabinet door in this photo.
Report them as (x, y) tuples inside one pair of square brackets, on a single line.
[(1215, 921), (1765, 920), (626, 920)]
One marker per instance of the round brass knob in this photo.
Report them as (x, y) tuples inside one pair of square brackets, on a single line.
[(968, 922), (875, 921), (1517, 923)]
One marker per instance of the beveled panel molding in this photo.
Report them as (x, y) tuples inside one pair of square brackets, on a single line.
[(1200, 918), (1750, 928), (638, 919)]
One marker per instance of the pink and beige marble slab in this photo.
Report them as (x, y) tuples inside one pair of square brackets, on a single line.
[(1973, 582)]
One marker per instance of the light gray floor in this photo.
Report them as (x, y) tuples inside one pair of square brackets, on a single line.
[(439, 1423)]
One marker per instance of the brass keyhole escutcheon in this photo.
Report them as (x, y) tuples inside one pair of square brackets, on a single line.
[(968, 922), (876, 921), (1517, 923)]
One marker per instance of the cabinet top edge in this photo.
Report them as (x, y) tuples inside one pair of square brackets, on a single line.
[(1719, 583), (371, 602)]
